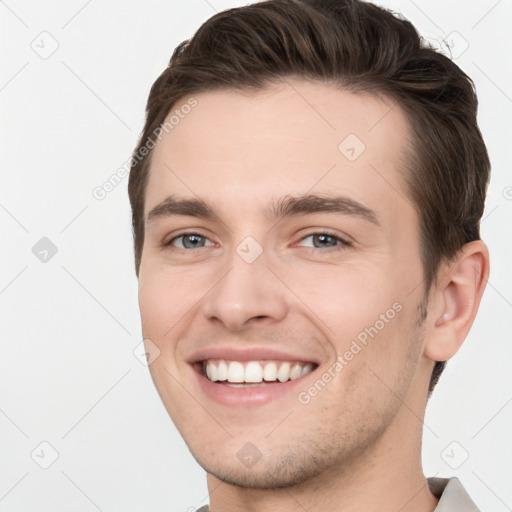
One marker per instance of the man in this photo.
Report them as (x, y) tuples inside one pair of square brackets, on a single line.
[(306, 198)]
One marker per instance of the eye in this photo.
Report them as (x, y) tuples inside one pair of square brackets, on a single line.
[(325, 240), (189, 241)]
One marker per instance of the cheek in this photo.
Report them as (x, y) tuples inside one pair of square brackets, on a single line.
[(153, 304), (347, 299), (165, 296), (362, 313)]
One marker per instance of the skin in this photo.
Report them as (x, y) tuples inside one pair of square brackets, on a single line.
[(349, 446)]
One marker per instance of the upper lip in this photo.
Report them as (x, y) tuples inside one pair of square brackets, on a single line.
[(248, 354)]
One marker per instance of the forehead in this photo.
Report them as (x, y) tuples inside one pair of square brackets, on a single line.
[(238, 148)]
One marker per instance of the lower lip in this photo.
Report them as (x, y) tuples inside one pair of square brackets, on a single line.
[(252, 396)]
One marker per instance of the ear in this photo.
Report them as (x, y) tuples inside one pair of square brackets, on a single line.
[(455, 301)]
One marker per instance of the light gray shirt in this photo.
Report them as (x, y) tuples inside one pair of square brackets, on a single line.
[(452, 496)]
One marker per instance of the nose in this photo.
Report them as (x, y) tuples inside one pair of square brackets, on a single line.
[(246, 293)]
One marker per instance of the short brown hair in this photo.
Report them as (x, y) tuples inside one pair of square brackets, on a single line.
[(358, 47)]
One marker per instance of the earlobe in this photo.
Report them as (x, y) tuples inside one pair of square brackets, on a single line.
[(456, 301)]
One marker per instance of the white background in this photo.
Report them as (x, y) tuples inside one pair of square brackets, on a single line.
[(68, 375)]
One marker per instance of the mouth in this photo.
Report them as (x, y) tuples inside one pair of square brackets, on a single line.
[(242, 374), (250, 383)]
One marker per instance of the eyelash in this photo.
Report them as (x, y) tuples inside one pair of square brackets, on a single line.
[(341, 243)]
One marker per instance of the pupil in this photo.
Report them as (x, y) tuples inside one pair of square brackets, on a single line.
[(193, 240), (326, 238)]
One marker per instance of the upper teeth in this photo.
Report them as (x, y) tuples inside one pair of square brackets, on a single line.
[(255, 371)]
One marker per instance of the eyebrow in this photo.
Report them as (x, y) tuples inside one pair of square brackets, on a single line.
[(172, 206), (288, 206), (309, 204)]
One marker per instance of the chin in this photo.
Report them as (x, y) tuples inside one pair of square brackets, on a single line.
[(282, 470)]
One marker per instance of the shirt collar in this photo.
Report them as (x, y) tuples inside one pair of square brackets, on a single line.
[(452, 495)]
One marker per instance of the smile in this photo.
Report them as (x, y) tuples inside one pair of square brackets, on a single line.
[(241, 374), (246, 377)]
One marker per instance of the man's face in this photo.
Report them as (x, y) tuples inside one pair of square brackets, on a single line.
[(324, 297)]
